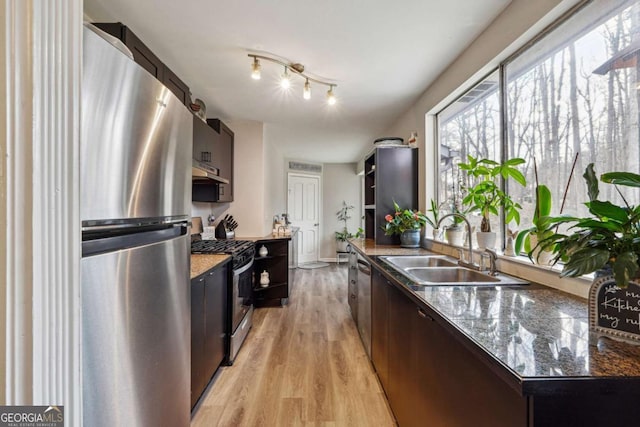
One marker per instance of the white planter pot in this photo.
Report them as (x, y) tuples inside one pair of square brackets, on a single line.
[(455, 236), (486, 239), (539, 257), (341, 245)]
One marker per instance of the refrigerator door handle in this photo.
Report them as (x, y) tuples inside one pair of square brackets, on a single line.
[(134, 239)]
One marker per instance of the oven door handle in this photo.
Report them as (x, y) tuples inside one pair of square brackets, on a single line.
[(243, 269)]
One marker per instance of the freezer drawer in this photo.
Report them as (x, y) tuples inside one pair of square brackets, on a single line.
[(136, 336)]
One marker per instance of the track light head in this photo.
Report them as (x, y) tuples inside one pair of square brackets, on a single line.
[(255, 69), (306, 93), (285, 81), (331, 97)]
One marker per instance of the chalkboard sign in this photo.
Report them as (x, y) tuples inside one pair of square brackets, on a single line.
[(613, 311)]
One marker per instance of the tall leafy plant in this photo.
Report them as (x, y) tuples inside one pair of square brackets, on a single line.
[(609, 238), (542, 222), (343, 215), (485, 194)]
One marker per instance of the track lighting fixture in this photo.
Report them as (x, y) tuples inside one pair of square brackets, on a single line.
[(285, 81)]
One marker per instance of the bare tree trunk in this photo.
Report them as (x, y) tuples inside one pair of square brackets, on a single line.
[(575, 111)]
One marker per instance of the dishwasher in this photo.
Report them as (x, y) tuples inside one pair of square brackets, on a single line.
[(364, 302), (352, 289)]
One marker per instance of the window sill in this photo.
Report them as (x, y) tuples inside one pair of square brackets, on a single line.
[(522, 267)]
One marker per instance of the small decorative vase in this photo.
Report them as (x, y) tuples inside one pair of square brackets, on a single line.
[(486, 239), (509, 249), (436, 234), (410, 239), (455, 236), (264, 279), (263, 251)]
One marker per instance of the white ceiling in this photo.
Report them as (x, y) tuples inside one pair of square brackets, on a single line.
[(381, 54)]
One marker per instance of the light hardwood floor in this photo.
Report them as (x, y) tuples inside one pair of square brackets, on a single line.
[(302, 364)]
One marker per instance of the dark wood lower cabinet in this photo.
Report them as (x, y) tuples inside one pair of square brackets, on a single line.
[(430, 378), (380, 326), (208, 327), (198, 383), (433, 375)]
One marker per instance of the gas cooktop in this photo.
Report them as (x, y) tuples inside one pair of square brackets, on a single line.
[(220, 246), (241, 251)]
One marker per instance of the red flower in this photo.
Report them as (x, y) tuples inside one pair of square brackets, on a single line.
[(389, 218)]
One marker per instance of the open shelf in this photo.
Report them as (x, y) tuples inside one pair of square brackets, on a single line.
[(262, 258), (276, 264), (271, 286), (390, 174)]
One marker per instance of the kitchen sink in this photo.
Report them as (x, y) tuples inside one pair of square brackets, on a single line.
[(449, 275), (420, 261), (434, 270)]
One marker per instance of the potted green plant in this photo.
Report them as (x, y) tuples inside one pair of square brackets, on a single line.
[(608, 240), (454, 233), (543, 228), (407, 223), (344, 235), (485, 195)]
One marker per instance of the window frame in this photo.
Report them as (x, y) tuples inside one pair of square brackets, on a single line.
[(502, 85)]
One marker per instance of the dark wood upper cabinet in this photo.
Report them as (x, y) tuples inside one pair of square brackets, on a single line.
[(223, 157), (147, 59), (177, 86), (205, 139)]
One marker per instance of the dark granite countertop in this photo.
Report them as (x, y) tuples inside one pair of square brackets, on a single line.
[(536, 335)]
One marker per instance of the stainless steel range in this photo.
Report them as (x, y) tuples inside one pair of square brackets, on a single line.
[(241, 305)]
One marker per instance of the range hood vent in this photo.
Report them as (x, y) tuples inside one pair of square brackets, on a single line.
[(202, 172)]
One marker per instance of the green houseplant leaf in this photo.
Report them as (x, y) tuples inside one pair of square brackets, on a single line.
[(625, 268), (621, 178), (592, 182), (585, 261), (608, 210)]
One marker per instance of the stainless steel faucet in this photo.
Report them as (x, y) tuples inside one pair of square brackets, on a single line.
[(469, 263), (493, 256)]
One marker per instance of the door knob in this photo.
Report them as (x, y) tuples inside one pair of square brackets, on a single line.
[(316, 224)]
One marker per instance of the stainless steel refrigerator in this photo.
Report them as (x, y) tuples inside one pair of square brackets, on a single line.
[(135, 163)]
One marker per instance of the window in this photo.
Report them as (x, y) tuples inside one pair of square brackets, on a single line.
[(575, 92), (470, 125)]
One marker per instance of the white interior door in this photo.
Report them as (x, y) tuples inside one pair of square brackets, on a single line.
[(303, 205)]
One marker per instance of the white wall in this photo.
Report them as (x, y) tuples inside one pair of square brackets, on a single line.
[(516, 25), (248, 178), (275, 191), (339, 182)]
